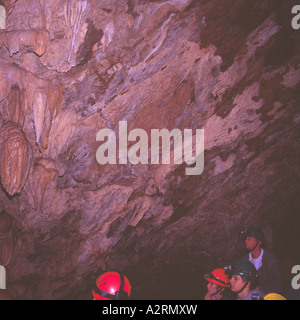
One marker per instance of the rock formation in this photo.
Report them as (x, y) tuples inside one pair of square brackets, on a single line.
[(70, 68)]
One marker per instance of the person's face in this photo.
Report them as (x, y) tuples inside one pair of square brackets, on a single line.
[(237, 283), (212, 288), (250, 243)]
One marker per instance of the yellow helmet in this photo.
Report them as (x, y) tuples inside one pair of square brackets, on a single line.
[(274, 296)]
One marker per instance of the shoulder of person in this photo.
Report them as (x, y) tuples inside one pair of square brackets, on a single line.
[(259, 294), (268, 255), (256, 294)]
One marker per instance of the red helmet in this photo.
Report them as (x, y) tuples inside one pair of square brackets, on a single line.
[(219, 277), (112, 286)]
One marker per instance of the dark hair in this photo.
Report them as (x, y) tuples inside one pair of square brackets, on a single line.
[(254, 282)]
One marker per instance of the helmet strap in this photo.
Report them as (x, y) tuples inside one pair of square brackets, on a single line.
[(218, 291), (258, 241), (245, 285), (103, 293), (122, 294)]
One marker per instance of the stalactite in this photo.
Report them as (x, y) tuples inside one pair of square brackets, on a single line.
[(15, 108), (81, 6), (42, 173), (15, 157), (46, 105)]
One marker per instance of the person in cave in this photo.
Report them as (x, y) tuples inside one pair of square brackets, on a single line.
[(244, 281), (265, 262), (218, 285), (112, 285)]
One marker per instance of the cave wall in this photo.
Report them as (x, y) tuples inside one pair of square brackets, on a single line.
[(70, 68)]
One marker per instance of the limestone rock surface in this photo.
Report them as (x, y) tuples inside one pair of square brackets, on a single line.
[(69, 68)]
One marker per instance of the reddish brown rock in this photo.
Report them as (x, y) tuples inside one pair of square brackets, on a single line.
[(71, 68), (36, 41), (15, 158)]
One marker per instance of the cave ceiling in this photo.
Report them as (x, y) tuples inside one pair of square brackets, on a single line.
[(72, 68)]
